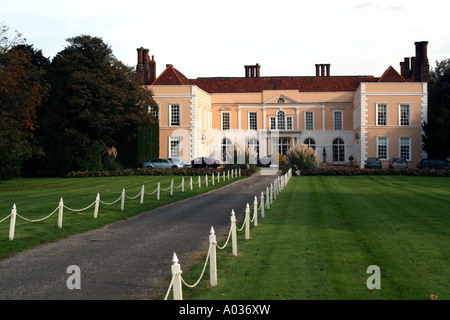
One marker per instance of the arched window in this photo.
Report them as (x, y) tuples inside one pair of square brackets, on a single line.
[(310, 143), (226, 149), (254, 144), (281, 115), (338, 150)]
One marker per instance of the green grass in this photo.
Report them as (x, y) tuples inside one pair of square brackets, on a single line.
[(322, 233), (37, 198)]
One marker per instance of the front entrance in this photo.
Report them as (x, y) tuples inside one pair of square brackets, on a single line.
[(282, 145)]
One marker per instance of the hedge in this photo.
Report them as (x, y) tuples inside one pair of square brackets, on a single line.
[(153, 172), (336, 171)]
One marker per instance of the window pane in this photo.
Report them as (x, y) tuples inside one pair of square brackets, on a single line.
[(174, 114), (405, 148), (175, 146), (225, 121), (309, 120), (253, 121), (381, 115), (289, 123), (281, 120), (382, 147), (404, 115), (338, 150), (338, 120)]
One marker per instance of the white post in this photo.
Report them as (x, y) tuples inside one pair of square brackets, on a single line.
[(267, 199), (247, 222), (255, 211), (233, 233), (239, 171), (218, 177), (212, 180), (176, 272), (271, 193), (12, 225), (224, 176), (199, 182), (262, 205), (228, 174), (232, 173), (171, 188), (182, 184), (206, 180), (275, 188), (158, 191), (191, 184), (97, 203), (122, 203), (142, 194), (60, 213), (213, 259)]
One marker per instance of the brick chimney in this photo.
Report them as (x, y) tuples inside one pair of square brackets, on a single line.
[(146, 67), (417, 69), (323, 70), (253, 71)]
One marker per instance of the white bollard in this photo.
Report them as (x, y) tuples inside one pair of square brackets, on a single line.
[(97, 203), (212, 180), (158, 191), (267, 198), (212, 257), (199, 182), (239, 171), (218, 177), (191, 184), (171, 188), (271, 193), (176, 273), (255, 212), (206, 180), (60, 213), (232, 173), (12, 224), (247, 222), (233, 233), (262, 205), (142, 194), (228, 174), (182, 184), (122, 203), (224, 176)]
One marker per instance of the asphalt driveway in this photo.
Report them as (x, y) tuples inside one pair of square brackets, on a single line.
[(127, 260)]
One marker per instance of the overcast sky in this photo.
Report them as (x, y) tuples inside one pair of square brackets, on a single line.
[(204, 38)]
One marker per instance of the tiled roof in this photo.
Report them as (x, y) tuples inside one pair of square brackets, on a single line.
[(172, 76), (391, 75)]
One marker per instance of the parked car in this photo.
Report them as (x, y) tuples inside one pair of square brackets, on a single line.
[(205, 162), (372, 163), (160, 164), (182, 163), (433, 164), (398, 163), (264, 161)]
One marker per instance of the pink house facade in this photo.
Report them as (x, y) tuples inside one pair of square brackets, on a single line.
[(347, 116)]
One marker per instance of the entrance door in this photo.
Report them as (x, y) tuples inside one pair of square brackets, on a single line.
[(283, 145)]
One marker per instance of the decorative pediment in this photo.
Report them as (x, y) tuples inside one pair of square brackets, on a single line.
[(281, 99), (225, 108)]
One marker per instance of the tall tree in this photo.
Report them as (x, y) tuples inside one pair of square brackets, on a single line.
[(96, 102), (436, 136), (22, 91)]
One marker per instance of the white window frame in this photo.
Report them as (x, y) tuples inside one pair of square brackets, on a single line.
[(178, 148), (154, 112), (273, 121), (289, 123), (311, 127), (400, 145), (171, 114), (400, 114), (342, 119), (250, 113), (222, 119), (387, 148), (377, 115)]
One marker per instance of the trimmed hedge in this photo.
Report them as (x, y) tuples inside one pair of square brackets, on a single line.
[(153, 172), (337, 171)]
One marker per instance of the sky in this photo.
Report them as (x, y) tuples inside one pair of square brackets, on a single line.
[(212, 38)]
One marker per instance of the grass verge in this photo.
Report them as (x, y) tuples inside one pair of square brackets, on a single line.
[(322, 233), (37, 198)]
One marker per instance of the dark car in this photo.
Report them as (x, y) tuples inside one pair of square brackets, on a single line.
[(398, 163), (433, 164), (205, 162), (372, 163)]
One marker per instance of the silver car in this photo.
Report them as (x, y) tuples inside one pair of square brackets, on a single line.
[(398, 163), (182, 163), (160, 164)]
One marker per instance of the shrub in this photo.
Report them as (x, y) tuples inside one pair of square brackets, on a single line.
[(303, 157)]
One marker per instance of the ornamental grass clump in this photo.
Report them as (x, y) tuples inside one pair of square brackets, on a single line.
[(303, 157)]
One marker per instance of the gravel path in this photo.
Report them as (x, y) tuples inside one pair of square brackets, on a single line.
[(128, 260)]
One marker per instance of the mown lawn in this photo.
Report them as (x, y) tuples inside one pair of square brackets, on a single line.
[(36, 199), (322, 233)]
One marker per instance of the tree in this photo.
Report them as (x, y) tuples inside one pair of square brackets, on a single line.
[(96, 102), (436, 137), (22, 91)]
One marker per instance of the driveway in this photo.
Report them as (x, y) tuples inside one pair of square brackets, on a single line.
[(130, 259)]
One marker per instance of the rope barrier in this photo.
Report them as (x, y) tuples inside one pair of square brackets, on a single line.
[(282, 182), (98, 201)]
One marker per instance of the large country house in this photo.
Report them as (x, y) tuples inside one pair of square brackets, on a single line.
[(347, 116)]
